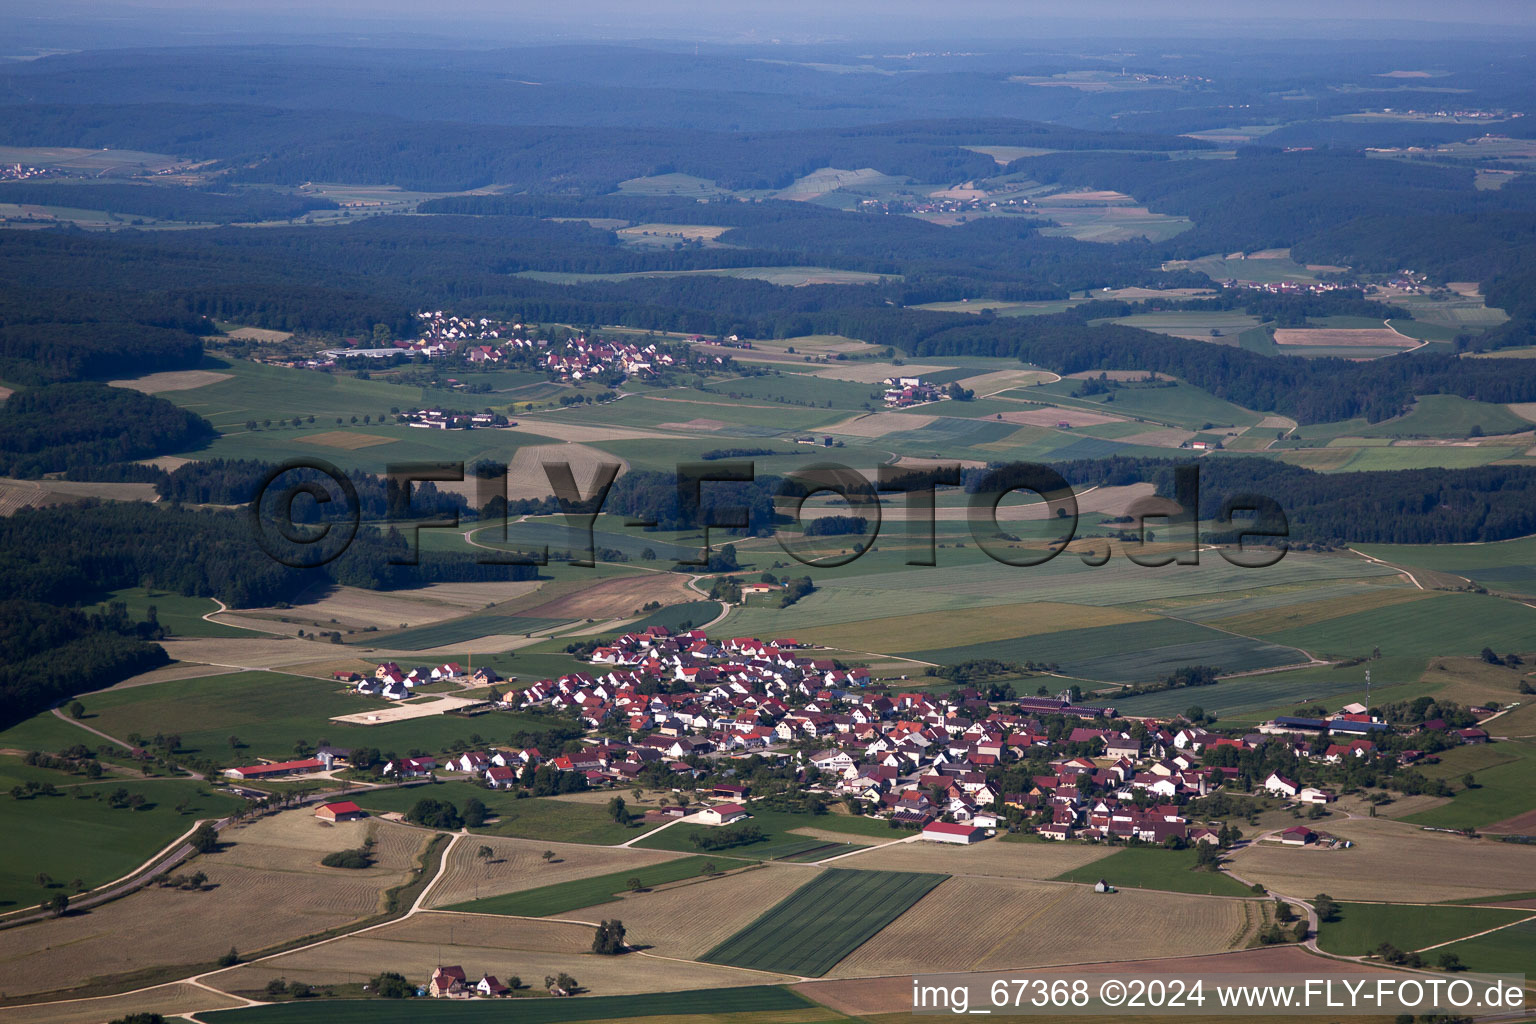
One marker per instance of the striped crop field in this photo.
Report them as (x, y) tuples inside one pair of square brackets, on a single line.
[(823, 921)]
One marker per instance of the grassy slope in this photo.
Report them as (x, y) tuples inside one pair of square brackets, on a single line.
[(1148, 868), (1361, 927)]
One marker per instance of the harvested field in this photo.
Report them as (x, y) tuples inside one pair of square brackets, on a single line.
[(1344, 337), (1117, 375), (530, 949), (704, 232), (689, 919), (1519, 825), (170, 380), (873, 373), (986, 860), (1392, 862), (18, 494), (267, 886), (1033, 924), (516, 865), (582, 433), (894, 994), (918, 462), (347, 440), (355, 608), (527, 478), (402, 711), (1273, 620), (878, 424), (169, 463), (1052, 415), (696, 424), (259, 334), (1083, 196), (616, 598), (167, 1000), (257, 652)]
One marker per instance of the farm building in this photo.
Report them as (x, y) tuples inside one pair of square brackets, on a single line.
[(948, 832), (723, 814), (344, 810), (1298, 835), (267, 771)]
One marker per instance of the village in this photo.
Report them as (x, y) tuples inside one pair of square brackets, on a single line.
[(684, 707)]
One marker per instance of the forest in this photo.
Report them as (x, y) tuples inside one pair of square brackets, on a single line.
[(84, 424), (167, 202)]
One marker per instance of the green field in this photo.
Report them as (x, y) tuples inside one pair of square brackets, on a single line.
[(778, 842), (1361, 927), (548, 900), (1176, 403), (76, 835), (1508, 565), (678, 617), (817, 925), (1445, 624), (675, 1005), (269, 711), (1511, 951), (1505, 773), (181, 616), (546, 818), (1154, 868), (1128, 652)]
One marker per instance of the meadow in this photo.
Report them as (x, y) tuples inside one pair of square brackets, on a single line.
[(823, 921), (1362, 927), (548, 818), (1505, 777), (783, 837), (1511, 951), (1508, 565), (1444, 624), (78, 835), (269, 711), (1169, 870), (549, 900)]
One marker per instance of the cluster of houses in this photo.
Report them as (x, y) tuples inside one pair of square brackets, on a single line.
[(392, 682), (945, 204), (1288, 287), (25, 172), (582, 359), (451, 982), (901, 392)]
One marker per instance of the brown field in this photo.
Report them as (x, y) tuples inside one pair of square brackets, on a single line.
[(688, 919), (1168, 437), (1153, 293), (617, 597), (526, 476), (347, 440), (1033, 924), (705, 232), (697, 423), (167, 1000), (259, 334), (530, 949), (878, 424), (18, 494), (1519, 825), (1052, 415), (992, 859), (257, 652), (170, 380), (268, 887), (1083, 196), (1117, 375), (985, 384), (1391, 862), (6, 392), (958, 627), (355, 608), (1343, 337), (874, 373), (1274, 620), (582, 433), (894, 994), (169, 463), (518, 864)]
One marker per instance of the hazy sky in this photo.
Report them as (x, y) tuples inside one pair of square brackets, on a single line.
[(937, 22)]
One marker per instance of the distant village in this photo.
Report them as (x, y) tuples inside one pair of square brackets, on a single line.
[(685, 705)]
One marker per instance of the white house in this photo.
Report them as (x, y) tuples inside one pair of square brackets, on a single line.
[(1279, 785), (948, 832)]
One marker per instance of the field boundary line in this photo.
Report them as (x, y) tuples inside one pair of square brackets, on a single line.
[(1477, 935)]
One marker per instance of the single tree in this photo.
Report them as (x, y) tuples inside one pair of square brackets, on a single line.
[(76, 709)]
